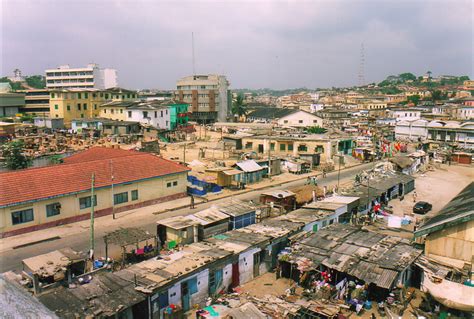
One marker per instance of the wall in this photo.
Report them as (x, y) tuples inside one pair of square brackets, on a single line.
[(59, 101), (301, 119), (148, 191), (203, 288), (325, 147), (456, 242), (118, 113), (159, 120), (246, 265)]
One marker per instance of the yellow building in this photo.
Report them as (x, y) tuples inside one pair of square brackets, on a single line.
[(372, 105), (115, 110), (291, 146), (84, 103), (43, 197)]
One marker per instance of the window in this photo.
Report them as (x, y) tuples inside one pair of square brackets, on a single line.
[(85, 106), (120, 198), (105, 111), (285, 121), (56, 106), (272, 146), (95, 106), (315, 121), (156, 114), (22, 216), (53, 95), (85, 202), (106, 95), (53, 209), (135, 194), (282, 147), (79, 95), (168, 184), (82, 115), (161, 113), (248, 145), (78, 106), (300, 121), (86, 95), (302, 148), (121, 111), (68, 107), (167, 122), (290, 147), (129, 113), (145, 114), (175, 183)]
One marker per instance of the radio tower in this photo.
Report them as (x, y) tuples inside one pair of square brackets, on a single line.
[(362, 66)]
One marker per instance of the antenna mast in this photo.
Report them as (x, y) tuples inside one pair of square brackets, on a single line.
[(362, 66), (192, 43)]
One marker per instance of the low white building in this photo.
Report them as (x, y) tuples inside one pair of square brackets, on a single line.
[(411, 130), (150, 113), (285, 117), (405, 114)]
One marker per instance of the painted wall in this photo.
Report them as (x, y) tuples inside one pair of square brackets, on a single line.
[(301, 119), (246, 265), (159, 118), (456, 242), (70, 207)]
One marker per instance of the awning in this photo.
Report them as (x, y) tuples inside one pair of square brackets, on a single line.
[(232, 172)]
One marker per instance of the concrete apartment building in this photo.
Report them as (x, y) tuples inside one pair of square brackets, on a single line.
[(42, 197), (36, 102), (91, 76), (209, 97)]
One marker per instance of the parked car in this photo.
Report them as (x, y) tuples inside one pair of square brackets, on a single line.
[(422, 208)]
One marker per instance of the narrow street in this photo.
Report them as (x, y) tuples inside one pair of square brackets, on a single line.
[(11, 259)]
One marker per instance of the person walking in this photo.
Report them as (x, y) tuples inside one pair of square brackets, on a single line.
[(192, 202), (415, 195)]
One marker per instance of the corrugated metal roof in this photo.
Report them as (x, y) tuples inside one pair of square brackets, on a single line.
[(249, 166)]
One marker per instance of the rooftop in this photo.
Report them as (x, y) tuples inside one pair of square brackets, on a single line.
[(459, 210), (64, 179)]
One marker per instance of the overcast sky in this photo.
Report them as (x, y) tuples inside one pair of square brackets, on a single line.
[(257, 44)]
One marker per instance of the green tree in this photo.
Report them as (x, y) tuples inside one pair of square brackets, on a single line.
[(316, 130), (407, 76), (415, 99), (437, 95), (238, 106), (36, 81), (14, 155), (463, 78)]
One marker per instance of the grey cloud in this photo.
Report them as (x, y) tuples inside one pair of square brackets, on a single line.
[(256, 44)]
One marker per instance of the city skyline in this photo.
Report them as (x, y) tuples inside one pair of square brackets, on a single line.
[(256, 45)]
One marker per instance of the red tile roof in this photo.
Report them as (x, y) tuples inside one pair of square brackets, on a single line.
[(98, 153), (50, 181)]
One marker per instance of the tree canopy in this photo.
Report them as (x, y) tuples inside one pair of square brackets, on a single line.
[(238, 106), (14, 155)]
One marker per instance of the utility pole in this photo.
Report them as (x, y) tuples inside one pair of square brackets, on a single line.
[(113, 197), (184, 149), (92, 217), (339, 172)]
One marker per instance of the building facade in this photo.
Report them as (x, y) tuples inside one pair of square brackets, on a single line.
[(36, 102), (208, 96), (43, 197), (11, 103), (91, 76)]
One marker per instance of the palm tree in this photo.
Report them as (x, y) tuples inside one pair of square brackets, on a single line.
[(238, 106)]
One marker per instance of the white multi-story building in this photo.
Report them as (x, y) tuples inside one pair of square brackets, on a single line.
[(208, 97), (65, 77), (151, 113), (405, 114)]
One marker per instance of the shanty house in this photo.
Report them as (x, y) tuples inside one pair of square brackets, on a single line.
[(251, 172), (211, 222), (449, 243), (284, 199), (240, 213), (43, 197), (178, 230)]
